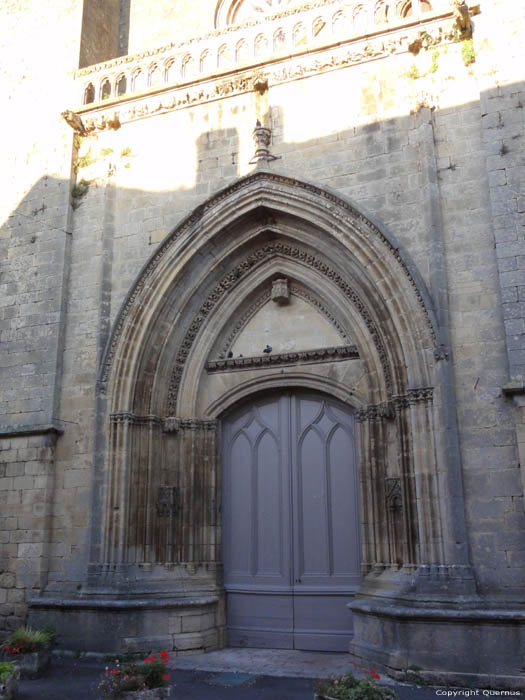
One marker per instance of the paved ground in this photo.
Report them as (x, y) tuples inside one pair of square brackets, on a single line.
[(70, 679)]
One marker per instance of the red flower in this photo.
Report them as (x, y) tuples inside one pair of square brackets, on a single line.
[(166, 676), (375, 675), (164, 656)]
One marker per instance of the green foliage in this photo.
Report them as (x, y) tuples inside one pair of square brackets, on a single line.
[(126, 152), (106, 152), (24, 640), (434, 65), (78, 192), (77, 141), (349, 688), (6, 669), (413, 73), (84, 161), (153, 673), (467, 52)]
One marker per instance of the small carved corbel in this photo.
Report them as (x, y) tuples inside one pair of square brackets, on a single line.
[(171, 425), (441, 353)]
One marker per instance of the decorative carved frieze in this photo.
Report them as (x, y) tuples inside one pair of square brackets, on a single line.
[(413, 396), (175, 425), (330, 354), (375, 413), (399, 402), (127, 418), (125, 104)]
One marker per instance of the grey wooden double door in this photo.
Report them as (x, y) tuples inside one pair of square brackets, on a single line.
[(290, 523)]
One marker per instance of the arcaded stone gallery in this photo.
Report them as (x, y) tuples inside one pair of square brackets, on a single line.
[(262, 329)]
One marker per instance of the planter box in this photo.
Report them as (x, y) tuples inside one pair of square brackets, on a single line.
[(154, 694), (9, 689), (33, 665)]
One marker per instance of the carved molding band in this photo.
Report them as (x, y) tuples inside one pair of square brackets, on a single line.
[(127, 418), (330, 354), (175, 425), (388, 409), (232, 280)]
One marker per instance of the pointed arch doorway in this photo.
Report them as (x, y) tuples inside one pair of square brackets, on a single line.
[(290, 522)]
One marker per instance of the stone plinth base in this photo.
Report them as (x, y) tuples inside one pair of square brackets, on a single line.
[(478, 648), (180, 625)]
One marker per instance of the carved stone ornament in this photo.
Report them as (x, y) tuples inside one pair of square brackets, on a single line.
[(280, 291), (332, 354), (262, 138), (388, 409), (168, 501)]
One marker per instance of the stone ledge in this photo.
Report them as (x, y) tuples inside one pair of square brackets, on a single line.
[(515, 615), (122, 604), (514, 388), (21, 430)]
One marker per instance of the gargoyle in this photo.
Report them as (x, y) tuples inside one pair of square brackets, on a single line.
[(462, 17), (75, 122)]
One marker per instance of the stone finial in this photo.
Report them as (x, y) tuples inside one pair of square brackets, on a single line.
[(280, 291), (262, 137)]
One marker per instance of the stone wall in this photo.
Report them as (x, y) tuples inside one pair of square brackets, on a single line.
[(427, 145)]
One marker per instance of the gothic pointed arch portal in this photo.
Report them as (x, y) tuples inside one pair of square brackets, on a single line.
[(272, 283)]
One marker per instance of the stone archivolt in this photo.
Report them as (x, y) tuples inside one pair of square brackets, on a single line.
[(167, 438)]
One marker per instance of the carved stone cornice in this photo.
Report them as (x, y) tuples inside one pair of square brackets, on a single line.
[(375, 413), (150, 53), (299, 357), (176, 425), (234, 80), (413, 396)]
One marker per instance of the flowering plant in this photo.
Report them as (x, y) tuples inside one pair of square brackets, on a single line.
[(347, 687), (26, 640), (146, 675)]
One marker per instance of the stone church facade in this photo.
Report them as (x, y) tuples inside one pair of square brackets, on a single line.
[(262, 331)]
